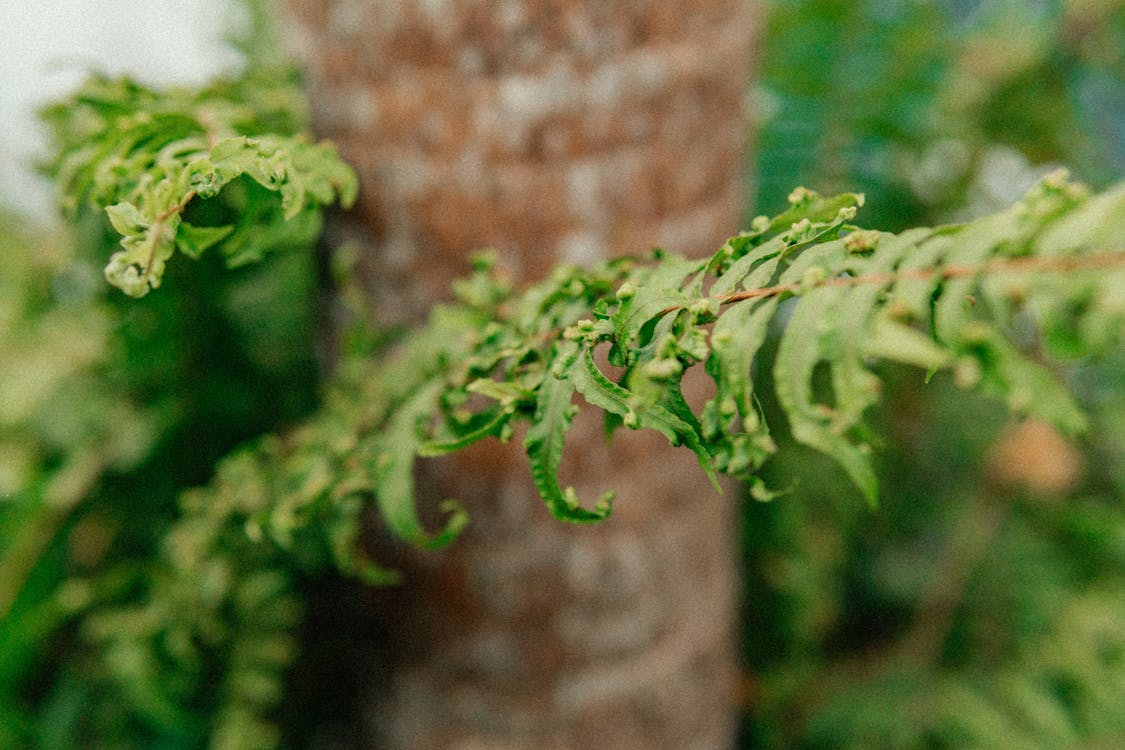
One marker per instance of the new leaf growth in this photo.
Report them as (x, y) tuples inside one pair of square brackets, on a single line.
[(146, 157)]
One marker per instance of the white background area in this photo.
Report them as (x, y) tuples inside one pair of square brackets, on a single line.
[(47, 46)]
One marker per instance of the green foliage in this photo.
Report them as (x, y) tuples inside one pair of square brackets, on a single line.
[(935, 298), (62, 428), (147, 157), (939, 111), (113, 406), (140, 614), (621, 335), (967, 611), (935, 108)]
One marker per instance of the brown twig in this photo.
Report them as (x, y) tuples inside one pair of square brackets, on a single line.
[(1099, 261), (158, 226)]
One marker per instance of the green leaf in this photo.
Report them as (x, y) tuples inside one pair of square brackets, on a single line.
[(636, 316), (808, 204), (192, 240), (597, 389), (811, 423), (144, 156), (393, 471), (735, 341), (491, 424), (1027, 386), (126, 219), (892, 340), (544, 443), (753, 270)]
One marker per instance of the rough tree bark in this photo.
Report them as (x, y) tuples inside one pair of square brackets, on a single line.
[(553, 131)]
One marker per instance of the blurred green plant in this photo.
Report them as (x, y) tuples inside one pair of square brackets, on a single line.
[(951, 617), (938, 110), (112, 407), (140, 613), (150, 158)]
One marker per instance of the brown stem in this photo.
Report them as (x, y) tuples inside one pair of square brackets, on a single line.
[(1104, 260), (158, 225)]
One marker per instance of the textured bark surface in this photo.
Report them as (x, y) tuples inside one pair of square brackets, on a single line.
[(553, 131)]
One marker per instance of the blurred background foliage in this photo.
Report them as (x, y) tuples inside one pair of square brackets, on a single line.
[(937, 110), (111, 407), (982, 605)]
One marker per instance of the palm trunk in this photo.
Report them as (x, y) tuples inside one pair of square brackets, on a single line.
[(553, 132)]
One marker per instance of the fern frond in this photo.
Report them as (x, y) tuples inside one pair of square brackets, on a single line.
[(976, 300), (619, 337), (144, 157)]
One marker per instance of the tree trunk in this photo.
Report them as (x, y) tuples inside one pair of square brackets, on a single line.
[(562, 131)]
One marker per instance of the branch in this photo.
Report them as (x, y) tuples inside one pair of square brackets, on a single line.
[(1096, 261)]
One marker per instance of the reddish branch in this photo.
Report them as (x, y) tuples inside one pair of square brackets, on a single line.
[(158, 227), (1098, 261)]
